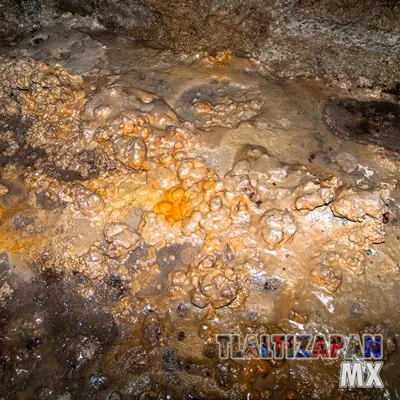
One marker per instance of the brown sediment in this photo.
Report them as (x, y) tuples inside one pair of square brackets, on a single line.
[(250, 218)]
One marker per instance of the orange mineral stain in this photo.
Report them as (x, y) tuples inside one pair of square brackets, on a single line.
[(174, 205)]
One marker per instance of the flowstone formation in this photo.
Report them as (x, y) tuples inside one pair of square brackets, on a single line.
[(104, 163), (106, 190)]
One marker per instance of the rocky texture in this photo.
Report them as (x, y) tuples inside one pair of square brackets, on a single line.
[(366, 122), (172, 252), (356, 204), (121, 239), (341, 39)]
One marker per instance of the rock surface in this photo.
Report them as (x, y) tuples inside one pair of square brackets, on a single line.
[(341, 39)]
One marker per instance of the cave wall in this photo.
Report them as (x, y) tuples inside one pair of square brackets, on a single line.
[(338, 38)]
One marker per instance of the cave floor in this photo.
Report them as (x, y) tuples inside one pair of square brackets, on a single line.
[(150, 200)]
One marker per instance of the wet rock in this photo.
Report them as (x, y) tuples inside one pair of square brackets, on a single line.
[(288, 47), (100, 382), (76, 7), (93, 264), (121, 238), (162, 178), (81, 350), (46, 201), (45, 393), (17, 372), (130, 359), (215, 222), (218, 105), (6, 292), (82, 166), (6, 285), (285, 35), (277, 227), (356, 204), (291, 395), (154, 227), (191, 171), (192, 223), (199, 300), (115, 396), (216, 204), (211, 351), (3, 190), (88, 201), (151, 395), (51, 276), (219, 289), (130, 151), (372, 232), (253, 394), (267, 394), (300, 318), (82, 325), (152, 332), (4, 263), (38, 39), (222, 374), (221, 214), (61, 174), (347, 162), (21, 221), (368, 122), (214, 283), (313, 194), (117, 287), (16, 125), (272, 284), (326, 277), (356, 310), (90, 163), (11, 28), (21, 348), (228, 113), (135, 386), (170, 362)]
